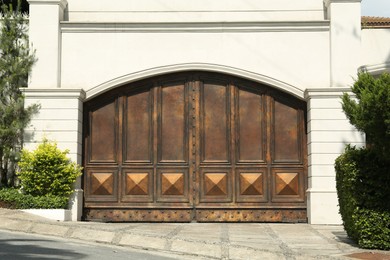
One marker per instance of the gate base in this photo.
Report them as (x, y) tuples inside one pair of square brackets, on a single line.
[(252, 215), (201, 215)]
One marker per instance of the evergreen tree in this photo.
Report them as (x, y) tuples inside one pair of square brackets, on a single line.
[(16, 61), (24, 7), (369, 110)]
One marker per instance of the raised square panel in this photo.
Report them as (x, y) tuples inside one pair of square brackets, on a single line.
[(172, 185), (101, 184), (288, 185), (215, 186), (251, 185), (137, 185)]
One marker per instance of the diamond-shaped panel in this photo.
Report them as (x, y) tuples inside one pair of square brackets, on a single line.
[(172, 184), (102, 183), (287, 183), (137, 184), (215, 184), (251, 184)]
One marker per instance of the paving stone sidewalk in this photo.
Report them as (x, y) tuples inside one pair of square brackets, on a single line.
[(202, 240)]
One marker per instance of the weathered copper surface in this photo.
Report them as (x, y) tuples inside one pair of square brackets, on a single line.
[(195, 141), (137, 215), (253, 215)]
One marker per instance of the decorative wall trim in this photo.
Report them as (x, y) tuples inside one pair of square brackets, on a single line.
[(376, 69), (194, 66), (61, 3), (328, 2), (325, 92), (291, 26), (54, 93)]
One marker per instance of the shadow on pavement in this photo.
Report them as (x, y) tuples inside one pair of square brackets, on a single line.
[(16, 249)]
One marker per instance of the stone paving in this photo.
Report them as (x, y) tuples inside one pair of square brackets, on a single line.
[(200, 240)]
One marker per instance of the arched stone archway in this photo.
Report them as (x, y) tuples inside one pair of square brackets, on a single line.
[(195, 145), (186, 67)]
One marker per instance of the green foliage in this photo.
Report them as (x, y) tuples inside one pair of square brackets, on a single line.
[(16, 61), (362, 179), (370, 113), (12, 198), (14, 3), (47, 171), (373, 228)]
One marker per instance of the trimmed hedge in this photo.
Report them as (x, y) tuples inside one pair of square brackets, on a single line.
[(47, 171), (362, 182), (12, 198)]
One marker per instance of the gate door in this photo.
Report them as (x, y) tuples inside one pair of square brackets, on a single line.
[(195, 146)]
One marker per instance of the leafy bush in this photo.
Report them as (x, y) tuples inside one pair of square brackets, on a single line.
[(362, 179), (12, 198), (47, 171)]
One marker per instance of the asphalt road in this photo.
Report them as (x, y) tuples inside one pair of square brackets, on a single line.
[(17, 246)]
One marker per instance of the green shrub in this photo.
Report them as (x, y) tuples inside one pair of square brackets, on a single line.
[(47, 171), (362, 179), (12, 198)]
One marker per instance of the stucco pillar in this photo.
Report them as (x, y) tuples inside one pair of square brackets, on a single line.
[(345, 40), (44, 31), (59, 119), (329, 131)]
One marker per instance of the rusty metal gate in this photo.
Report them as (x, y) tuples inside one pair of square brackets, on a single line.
[(195, 147)]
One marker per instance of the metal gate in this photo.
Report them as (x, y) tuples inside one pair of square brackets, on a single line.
[(195, 147)]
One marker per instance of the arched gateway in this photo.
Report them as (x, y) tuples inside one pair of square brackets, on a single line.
[(195, 146)]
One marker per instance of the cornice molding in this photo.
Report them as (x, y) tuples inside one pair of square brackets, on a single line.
[(54, 93), (61, 3), (328, 2), (376, 69), (326, 92), (280, 26)]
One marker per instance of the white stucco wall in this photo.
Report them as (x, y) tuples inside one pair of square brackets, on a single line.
[(288, 56), (376, 50), (311, 49), (191, 11)]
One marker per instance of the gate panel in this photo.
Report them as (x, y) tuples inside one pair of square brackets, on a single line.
[(103, 134), (287, 134), (138, 128), (215, 124), (172, 124), (195, 146), (250, 127)]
